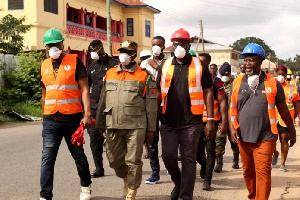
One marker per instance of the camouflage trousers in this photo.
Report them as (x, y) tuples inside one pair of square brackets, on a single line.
[(221, 142)]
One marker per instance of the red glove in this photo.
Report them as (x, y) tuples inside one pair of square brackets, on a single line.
[(77, 137)]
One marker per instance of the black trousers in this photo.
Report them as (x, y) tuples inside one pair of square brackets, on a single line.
[(96, 144), (187, 137), (207, 160), (153, 155)]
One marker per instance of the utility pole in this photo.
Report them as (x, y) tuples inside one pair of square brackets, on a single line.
[(270, 60), (108, 23), (200, 36), (201, 26)]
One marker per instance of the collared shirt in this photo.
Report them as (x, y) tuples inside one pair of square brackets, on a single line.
[(253, 114), (178, 111)]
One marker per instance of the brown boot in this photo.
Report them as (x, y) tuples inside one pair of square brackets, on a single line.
[(131, 194), (125, 188)]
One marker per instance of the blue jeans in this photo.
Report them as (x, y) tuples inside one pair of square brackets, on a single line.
[(53, 132), (153, 156)]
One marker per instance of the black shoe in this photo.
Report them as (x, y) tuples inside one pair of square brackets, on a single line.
[(175, 192), (202, 172), (235, 164), (97, 173), (206, 185), (219, 165)]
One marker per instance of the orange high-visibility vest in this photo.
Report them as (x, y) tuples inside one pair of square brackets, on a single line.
[(194, 83), (62, 94), (217, 115), (138, 75), (270, 91), (289, 89)]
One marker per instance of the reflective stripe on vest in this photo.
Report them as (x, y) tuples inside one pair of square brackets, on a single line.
[(194, 84), (217, 115), (62, 93), (289, 89), (270, 91)]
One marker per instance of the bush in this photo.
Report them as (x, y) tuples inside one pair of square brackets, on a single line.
[(32, 108), (23, 83)]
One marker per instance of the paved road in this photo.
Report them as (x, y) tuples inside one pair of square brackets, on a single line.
[(20, 157)]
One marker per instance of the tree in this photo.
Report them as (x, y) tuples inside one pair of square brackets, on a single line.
[(240, 44), (23, 83), (11, 28)]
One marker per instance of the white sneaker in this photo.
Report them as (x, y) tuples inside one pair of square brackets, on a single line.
[(42, 198), (85, 193)]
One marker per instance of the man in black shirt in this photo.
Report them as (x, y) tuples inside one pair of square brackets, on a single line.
[(64, 90), (96, 73), (184, 85)]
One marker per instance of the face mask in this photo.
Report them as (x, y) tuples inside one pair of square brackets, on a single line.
[(280, 78), (124, 59), (297, 77), (156, 50), (225, 79), (54, 53), (94, 56), (253, 80), (179, 52), (288, 76)]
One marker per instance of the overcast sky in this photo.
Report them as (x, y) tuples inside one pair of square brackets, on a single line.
[(276, 22)]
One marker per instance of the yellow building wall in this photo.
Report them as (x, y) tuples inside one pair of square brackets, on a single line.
[(41, 21), (139, 15)]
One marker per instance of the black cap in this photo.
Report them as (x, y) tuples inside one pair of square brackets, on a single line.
[(94, 44), (225, 69), (128, 45)]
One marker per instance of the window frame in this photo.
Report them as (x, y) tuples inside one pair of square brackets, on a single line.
[(15, 8), (130, 21), (56, 13), (147, 26)]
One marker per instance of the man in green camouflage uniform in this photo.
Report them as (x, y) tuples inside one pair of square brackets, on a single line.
[(225, 72), (127, 110)]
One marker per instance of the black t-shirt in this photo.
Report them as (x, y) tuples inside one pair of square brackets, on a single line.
[(178, 111), (96, 73), (79, 74)]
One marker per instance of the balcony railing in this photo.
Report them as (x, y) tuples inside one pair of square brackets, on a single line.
[(90, 32)]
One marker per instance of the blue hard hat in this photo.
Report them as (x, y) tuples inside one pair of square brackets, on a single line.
[(253, 48)]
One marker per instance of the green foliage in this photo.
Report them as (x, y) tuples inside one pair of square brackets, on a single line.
[(11, 28), (23, 83), (240, 44), (293, 64), (33, 108)]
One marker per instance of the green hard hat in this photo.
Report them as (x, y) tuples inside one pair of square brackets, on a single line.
[(52, 36), (192, 53), (298, 73)]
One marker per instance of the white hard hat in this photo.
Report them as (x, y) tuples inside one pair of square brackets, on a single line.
[(145, 53)]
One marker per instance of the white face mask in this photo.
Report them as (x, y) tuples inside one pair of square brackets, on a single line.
[(297, 77), (288, 76), (225, 79), (179, 52), (156, 50), (253, 80), (280, 78), (94, 56), (124, 59), (54, 52)]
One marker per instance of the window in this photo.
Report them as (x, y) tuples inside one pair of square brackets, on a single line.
[(129, 26), (51, 6), (15, 4), (147, 28)]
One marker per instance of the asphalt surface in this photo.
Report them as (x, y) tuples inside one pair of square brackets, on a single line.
[(20, 158)]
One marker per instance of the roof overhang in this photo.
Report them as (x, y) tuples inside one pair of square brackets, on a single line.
[(156, 11)]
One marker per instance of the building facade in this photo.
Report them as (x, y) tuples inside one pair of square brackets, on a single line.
[(82, 21)]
